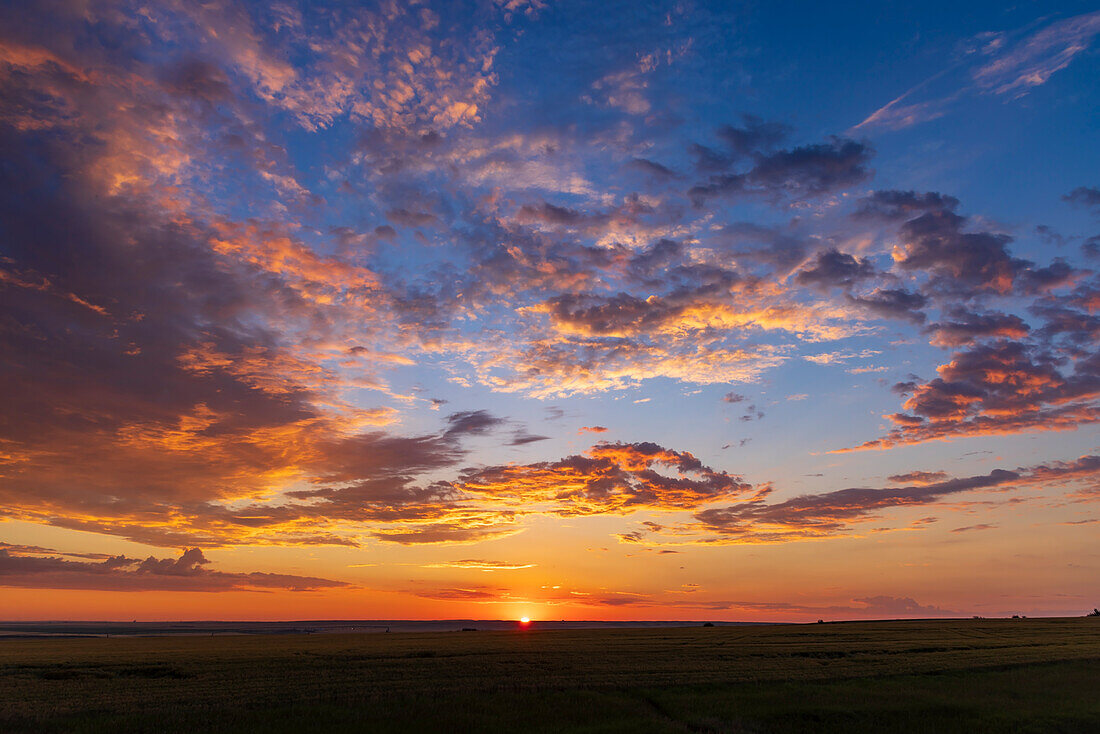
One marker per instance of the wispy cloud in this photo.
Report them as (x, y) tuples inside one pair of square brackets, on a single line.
[(1008, 64)]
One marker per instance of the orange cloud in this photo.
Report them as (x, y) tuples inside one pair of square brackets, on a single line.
[(612, 478)]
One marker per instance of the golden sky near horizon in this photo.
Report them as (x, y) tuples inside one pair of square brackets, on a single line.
[(499, 309)]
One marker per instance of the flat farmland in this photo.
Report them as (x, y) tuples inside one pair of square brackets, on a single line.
[(1033, 675)]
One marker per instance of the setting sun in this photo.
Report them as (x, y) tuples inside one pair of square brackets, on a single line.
[(366, 324), (330, 310)]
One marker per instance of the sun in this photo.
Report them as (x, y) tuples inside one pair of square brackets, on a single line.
[(525, 620)]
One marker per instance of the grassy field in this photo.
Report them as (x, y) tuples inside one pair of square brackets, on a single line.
[(929, 676)]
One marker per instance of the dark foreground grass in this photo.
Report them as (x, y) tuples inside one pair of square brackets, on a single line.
[(960, 676)]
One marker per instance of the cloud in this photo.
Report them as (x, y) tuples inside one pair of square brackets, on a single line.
[(869, 607), (919, 477), (651, 168), (896, 115), (936, 242), (479, 594), (754, 135), (610, 478), (972, 528), (1000, 63), (198, 348), (480, 565), (892, 303), (838, 512), (117, 573), (1035, 58), (471, 423), (803, 172), (576, 365), (966, 327), (893, 205), (835, 269), (1084, 196), (901, 607), (999, 388), (831, 513), (522, 438)]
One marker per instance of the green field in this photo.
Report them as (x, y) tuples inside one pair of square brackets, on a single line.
[(926, 676)]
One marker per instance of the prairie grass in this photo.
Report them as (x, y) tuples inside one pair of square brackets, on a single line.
[(921, 676)]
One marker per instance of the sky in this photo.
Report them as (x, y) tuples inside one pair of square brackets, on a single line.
[(742, 310)]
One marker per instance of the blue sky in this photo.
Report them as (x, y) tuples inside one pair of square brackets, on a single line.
[(387, 300)]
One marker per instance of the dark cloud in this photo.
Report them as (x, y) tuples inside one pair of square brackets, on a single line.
[(753, 135), (972, 528), (1085, 196), (959, 261), (1050, 236), (803, 172), (633, 211), (618, 314), (198, 79), (708, 159), (554, 413), (651, 168), (471, 423), (550, 214), (902, 607), (832, 513), (813, 170), (892, 303), (650, 264), (998, 388), (392, 150), (870, 607), (1069, 323), (522, 438), (918, 477), (903, 205), (965, 327), (118, 573), (751, 413), (1043, 279), (411, 218), (832, 268), (835, 513)]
